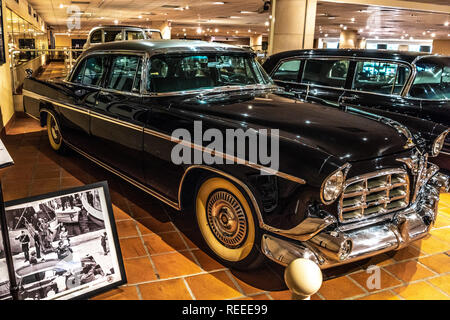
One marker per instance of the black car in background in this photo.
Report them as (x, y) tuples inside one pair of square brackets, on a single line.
[(411, 88), (347, 187)]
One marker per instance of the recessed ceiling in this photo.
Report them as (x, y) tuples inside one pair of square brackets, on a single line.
[(243, 16)]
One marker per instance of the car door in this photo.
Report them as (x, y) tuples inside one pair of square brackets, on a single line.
[(287, 75), (80, 96), (378, 85), (326, 79), (118, 117)]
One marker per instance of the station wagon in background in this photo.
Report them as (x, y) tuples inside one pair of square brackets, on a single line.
[(347, 187), (398, 85), (105, 34)]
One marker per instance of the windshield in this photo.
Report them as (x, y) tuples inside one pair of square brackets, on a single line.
[(191, 72), (432, 81)]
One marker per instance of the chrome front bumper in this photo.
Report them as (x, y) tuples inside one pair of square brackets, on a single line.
[(343, 245)]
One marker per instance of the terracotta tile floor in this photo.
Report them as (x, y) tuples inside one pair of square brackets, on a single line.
[(164, 258)]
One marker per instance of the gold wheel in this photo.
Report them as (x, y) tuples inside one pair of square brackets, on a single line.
[(54, 133), (225, 219)]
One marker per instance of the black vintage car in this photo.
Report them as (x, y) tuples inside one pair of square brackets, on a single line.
[(339, 187), (403, 86)]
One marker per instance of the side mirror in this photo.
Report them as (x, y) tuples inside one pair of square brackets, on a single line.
[(29, 73)]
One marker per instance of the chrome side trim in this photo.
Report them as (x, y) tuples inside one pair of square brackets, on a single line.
[(235, 160), (170, 138), (43, 98), (137, 184), (116, 121), (303, 231)]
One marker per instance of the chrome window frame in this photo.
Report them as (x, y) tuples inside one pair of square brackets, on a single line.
[(398, 63), (407, 94), (278, 65), (141, 54)]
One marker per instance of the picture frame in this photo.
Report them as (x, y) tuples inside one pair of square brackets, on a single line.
[(64, 245), (2, 37)]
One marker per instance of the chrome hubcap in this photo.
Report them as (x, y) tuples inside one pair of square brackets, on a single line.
[(227, 219)]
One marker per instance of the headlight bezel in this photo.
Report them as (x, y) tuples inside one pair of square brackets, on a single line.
[(341, 174), (439, 142)]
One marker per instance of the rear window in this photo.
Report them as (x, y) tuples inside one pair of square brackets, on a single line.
[(330, 73)]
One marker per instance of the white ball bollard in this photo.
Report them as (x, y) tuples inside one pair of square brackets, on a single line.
[(303, 278)]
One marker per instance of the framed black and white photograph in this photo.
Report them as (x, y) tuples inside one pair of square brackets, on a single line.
[(2, 37), (5, 289), (64, 245)]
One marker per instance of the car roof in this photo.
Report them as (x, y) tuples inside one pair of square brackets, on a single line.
[(165, 46), (405, 56)]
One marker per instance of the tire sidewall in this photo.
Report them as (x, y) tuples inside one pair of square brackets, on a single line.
[(252, 257), (60, 148)]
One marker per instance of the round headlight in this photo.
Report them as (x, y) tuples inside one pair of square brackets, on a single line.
[(332, 187), (438, 144)]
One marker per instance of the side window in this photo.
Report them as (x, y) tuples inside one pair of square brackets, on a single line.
[(124, 73), (288, 71), (96, 36), (135, 35), (113, 35), (379, 77), (330, 73), (90, 71), (77, 76)]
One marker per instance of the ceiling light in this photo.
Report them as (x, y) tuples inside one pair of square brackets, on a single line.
[(199, 30), (184, 29), (246, 12), (140, 17), (411, 38), (345, 27), (446, 23), (61, 6), (424, 33), (187, 7), (326, 35), (341, 25), (433, 35), (361, 30), (234, 17), (236, 32), (216, 30), (218, 2), (116, 21), (352, 19), (267, 23)]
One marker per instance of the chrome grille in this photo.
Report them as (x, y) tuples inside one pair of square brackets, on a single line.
[(374, 194)]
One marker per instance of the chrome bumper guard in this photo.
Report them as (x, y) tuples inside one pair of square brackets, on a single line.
[(341, 246)]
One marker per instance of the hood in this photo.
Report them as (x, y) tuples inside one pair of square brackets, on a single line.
[(345, 136)]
